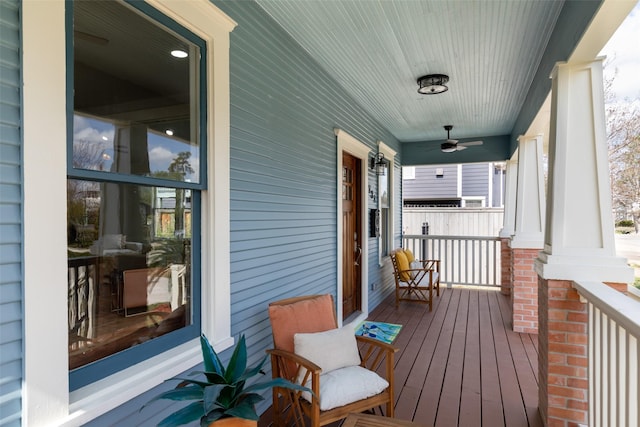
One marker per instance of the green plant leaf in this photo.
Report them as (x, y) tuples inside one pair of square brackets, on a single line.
[(211, 417), (246, 411), (211, 397), (182, 416), (212, 377), (198, 383), (276, 382), (251, 398), (211, 361), (252, 372), (238, 362)]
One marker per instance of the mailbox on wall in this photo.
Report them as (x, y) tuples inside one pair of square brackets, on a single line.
[(374, 222)]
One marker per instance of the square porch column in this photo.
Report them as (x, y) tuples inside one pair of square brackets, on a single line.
[(528, 238), (508, 225), (578, 241)]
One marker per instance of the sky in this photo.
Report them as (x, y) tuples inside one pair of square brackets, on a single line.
[(623, 54)]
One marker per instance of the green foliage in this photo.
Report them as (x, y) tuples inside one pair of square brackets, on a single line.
[(625, 223), (223, 392)]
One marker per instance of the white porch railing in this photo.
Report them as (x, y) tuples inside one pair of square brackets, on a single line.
[(614, 375), (464, 260)]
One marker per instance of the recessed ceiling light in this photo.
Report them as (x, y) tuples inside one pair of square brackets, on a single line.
[(179, 53), (169, 132)]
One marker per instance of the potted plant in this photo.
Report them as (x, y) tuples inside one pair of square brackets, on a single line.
[(222, 395)]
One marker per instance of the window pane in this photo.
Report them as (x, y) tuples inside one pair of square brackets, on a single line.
[(129, 265), (136, 104)]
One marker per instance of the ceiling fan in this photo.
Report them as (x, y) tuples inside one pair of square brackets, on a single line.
[(452, 145)]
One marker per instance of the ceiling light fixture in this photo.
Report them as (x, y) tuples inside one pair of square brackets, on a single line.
[(179, 53), (432, 84)]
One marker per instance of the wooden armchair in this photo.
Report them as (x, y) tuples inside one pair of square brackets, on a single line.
[(305, 328), (415, 279)]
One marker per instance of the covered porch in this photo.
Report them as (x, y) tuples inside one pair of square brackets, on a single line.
[(461, 364)]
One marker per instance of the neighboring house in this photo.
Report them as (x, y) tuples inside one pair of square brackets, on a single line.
[(278, 154), (473, 185)]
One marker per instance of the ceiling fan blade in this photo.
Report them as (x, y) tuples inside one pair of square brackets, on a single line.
[(460, 147), (469, 143)]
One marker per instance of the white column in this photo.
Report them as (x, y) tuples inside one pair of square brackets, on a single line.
[(530, 197), (579, 240), (509, 218)]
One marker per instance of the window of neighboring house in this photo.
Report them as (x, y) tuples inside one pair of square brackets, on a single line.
[(473, 202), (408, 172), (135, 176)]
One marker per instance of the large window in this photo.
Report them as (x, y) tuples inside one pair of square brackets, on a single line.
[(48, 121), (135, 177), (386, 204)]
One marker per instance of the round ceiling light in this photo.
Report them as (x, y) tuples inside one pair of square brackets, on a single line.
[(432, 84), (179, 53)]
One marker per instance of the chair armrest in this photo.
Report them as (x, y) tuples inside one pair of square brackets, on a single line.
[(290, 356), (373, 352)]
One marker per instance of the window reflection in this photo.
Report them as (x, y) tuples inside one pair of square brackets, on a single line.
[(129, 266), (132, 149)]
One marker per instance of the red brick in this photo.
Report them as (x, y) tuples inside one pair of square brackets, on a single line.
[(578, 383), (568, 327), (557, 358), (577, 339), (578, 361), (574, 393), (578, 404), (567, 305), (557, 337), (572, 316), (557, 380), (568, 414), (568, 349), (569, 371)]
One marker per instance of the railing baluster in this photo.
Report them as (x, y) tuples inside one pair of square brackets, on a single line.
[(614, 328), (465, 260)]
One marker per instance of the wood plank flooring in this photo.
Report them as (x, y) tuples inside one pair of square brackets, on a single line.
[(461, 364)]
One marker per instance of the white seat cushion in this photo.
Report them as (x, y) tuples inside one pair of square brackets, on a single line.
[(346, 385)]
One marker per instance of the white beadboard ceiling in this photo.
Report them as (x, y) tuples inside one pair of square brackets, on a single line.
[(376, 49)]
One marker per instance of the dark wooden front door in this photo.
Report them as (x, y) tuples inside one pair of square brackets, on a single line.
[(351, 238)]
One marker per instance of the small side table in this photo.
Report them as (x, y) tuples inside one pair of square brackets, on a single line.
[(367, 420)]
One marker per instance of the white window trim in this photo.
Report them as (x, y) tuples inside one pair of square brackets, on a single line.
[(390, 155), (357, 149), (482, 199), (46, 399)]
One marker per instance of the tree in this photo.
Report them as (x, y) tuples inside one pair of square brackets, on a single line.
[(180, 166), (623, 130)]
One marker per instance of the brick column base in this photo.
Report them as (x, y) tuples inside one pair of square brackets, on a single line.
[(506, 262), (525, 291), (563, 349)]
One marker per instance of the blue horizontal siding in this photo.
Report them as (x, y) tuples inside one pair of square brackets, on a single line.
[(283, 181), (11, 286)]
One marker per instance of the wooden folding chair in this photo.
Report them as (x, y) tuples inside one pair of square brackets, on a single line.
[(415, 283)]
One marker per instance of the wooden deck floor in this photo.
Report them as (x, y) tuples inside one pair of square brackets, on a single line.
[(462, 364)]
